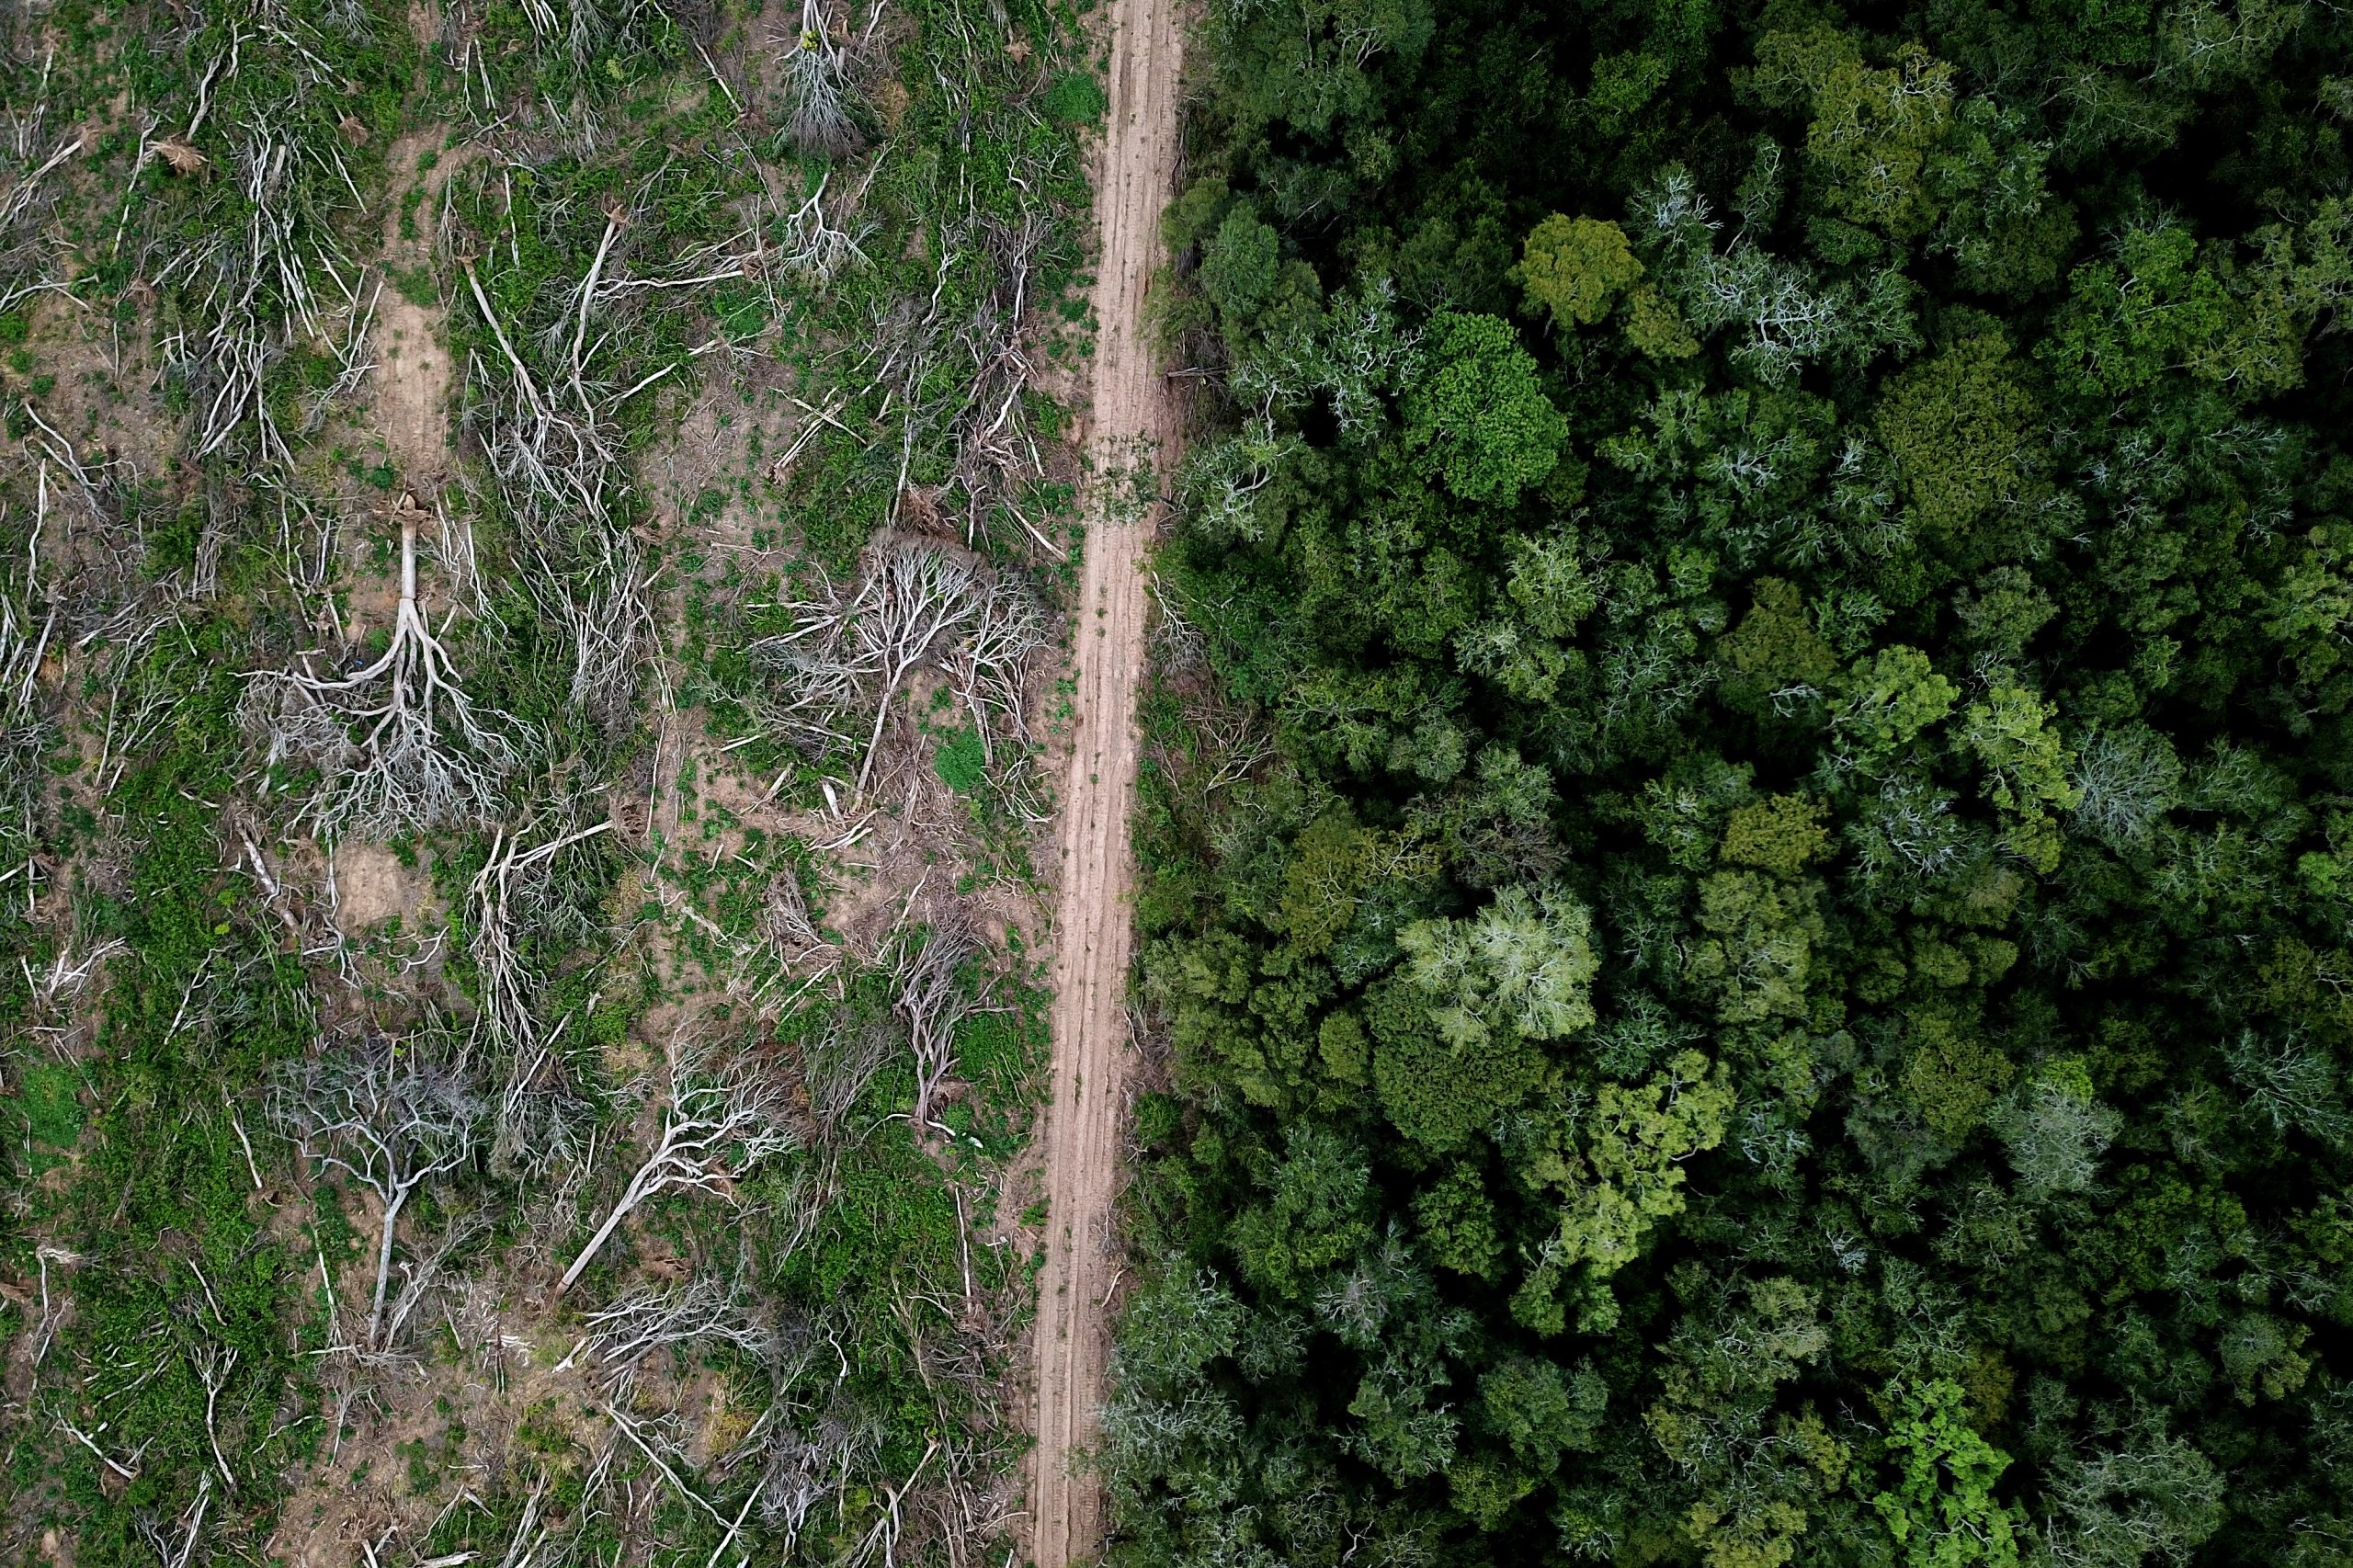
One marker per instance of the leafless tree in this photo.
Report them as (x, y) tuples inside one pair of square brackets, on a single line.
[(544, 1138), (530, 1531), (27, 625), (931, 1000), (989, 433), (906, 608), (183, 1553), (350, 346), (786, 923), (1236, 743), (718, 1122), (550, 445), (711, 1309), (548, 431), (919, 605), (29, 185), (255, 287), (840, 1064), (504, 895), (429, 1271), (819, 120), (33, 151), (989, 667), (215, 1363), (538, 1120), (818, 677), (95, 571), (386, 1117), (975, 338), (398, 741), (881, 1538), (605, 601), (801, 1459), (814, 246)]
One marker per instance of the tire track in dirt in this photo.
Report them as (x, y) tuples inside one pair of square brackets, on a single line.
[(1131, 419)]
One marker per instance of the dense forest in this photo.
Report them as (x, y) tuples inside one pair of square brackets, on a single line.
[(1748, 863)]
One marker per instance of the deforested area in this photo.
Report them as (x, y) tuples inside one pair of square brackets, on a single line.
[(1743, 898), (535, 547)]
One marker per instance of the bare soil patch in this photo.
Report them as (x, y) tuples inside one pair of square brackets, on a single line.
[(371, 886), (412, 387), (1093, 936)]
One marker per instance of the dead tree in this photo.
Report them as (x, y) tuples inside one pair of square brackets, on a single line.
[(505, 995), (28, 265), (801, 1459), (512, 881), (881, 1538), (26, 732), (792, 936), (422, 1274), (818, 676), (385, 1117), (398, 743), (917, 597), (989, 667), (350, 347), (841, 1064), (549, 431), (253, 286), (605, 602), (99, 577), (920, 606), (535, 1120), (975, 338), (215, 1364), (989, 432), (550, 445), (930, 999), (707, 1309), (716, 1123), (183, 1553), (819, 120), (813, 247)]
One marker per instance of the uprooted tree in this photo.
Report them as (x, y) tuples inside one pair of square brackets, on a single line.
[(920, 606), (386, 1114), (397, 743), (719, 1120)]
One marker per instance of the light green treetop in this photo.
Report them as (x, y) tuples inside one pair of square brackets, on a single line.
[(1576, 269)]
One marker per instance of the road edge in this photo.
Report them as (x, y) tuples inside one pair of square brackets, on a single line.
[(1132, 428)]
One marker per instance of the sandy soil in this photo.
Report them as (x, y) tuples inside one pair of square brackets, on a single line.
[(412, 388), (1093, 929), (413, 373), (371, 886)]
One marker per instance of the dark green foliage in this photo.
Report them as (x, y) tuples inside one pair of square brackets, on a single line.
[(1778, 998), (48, 1115), (958, 757), (1075, 98), (1481, 413)]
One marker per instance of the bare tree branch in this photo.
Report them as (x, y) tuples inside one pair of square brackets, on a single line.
[(716, 1124), (386, 1119), (398, 743), (930, 998)]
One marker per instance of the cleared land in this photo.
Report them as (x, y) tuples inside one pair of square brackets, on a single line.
[(1131, 420)]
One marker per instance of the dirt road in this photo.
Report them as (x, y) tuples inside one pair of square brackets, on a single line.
[(1093, 940)]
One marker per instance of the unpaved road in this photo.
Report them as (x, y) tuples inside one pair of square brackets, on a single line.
[(1092, 936)]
